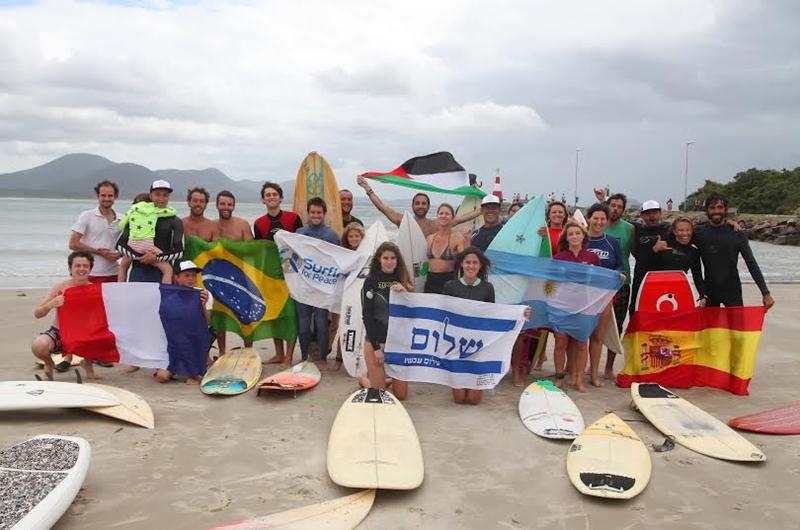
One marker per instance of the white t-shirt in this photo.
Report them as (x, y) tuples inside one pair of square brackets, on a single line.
[(97, 232)]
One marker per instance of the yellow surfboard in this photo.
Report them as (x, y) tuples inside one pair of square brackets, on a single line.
[(234, 373), (132, 407), (315, 178)]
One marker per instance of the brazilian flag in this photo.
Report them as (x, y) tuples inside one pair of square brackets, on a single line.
[(245, 278)]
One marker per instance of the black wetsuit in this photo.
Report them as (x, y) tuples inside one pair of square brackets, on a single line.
[(483, 236), (481, 292), (720, 247), (646, 259), (682, 257), (375, 306)]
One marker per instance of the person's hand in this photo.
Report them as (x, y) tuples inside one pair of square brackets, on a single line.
[(361, 181), (702, 302), (149, 258), (203, 297), (379, 357), (600, 194), (660, 245), (735, 225), (542, 232), (527, 313), (622, 277), (58, 301), (399, 287), (768, 302), (109, 254)]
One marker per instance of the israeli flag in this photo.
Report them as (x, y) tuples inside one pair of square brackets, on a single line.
[(460, 343)]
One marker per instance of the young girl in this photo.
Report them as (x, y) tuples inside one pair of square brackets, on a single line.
[(387, 271), (443, 245), (352, 236), (142, 217)]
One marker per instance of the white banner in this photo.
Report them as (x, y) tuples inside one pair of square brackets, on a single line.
[(315, 270), (451, 341)]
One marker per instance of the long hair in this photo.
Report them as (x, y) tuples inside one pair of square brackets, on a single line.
[(483, 272), (351, 227), (562, 240), (402, 272)]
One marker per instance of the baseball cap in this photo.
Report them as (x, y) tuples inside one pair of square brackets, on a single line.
[(650, 205), (489, 200), (186, 265), (160, 185)]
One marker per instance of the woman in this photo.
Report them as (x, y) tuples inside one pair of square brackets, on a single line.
[(682, 255), (609, 253), (352, 236), (387, 272), (572, 247), (514, 208), (555, 216), (443, 245)]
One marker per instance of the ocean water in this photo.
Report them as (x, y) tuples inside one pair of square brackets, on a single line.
[(35, 233)]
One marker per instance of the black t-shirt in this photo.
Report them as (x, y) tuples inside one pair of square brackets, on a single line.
[(483, 236)]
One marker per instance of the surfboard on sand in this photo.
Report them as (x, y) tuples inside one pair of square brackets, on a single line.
[(609, 460), (611, 339), (40, 479), (414, 249), (28, 395), (301, 376), (782, 420), (665, 291), (469, 205), (373, 444), (132, 407), (691, 426), (315, 178), (233, 373), (344, 513), (351, 324), (547, 411)]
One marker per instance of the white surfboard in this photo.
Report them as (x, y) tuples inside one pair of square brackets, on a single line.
[(579, 218), (344, 513), (351, 323), (609, 460), (40, 479), (611, 338), (373, 444), (691, 426), (132, 407), (414, 249), (547, 411), (469, 205), (28, 395)]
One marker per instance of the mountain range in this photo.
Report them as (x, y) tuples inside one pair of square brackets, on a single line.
[(74, 176)]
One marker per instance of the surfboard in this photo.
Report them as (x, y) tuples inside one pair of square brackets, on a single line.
[(39, 479), (351, 324), (373, 444), (57, 358), (579, 218), (29, 395), (132, 407), (782, 420), (469, 205), (414, 249), (315, 178), (665, 291), (301, 376), (691, 426), (611, 339), (344, 513), (518, 235), (609, 460), (547, 411), (233, 373)]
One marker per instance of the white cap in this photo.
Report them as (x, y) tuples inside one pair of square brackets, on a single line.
[(650, 205), (160, 185), (490, 199), (187, 265)]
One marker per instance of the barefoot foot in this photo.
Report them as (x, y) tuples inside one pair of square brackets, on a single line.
[(274, 360), (597, 382), (130, 369)]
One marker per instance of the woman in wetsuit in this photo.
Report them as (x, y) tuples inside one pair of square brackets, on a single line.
[(443, 245), (387, 272), (681, 255)]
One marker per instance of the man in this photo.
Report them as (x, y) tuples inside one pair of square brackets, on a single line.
[(720, 246), (483, 236), (185, 275), (420, 204), (649, 238), (48, 342), (346, 198), (231, 227), (96, 232), (168, 238), (316, 228), (196, 223), (264, 228)]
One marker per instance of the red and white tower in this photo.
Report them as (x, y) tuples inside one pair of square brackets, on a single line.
[(497, 191)]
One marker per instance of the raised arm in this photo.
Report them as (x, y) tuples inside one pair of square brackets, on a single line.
[(391, 214), (464, 217)]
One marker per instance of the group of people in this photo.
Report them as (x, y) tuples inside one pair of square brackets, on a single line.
[(146, 245)]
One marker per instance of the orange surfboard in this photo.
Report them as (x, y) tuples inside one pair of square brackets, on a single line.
[(665, 292), (301, 376), (783, 420)]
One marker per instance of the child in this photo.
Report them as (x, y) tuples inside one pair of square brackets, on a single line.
[(142, 217)]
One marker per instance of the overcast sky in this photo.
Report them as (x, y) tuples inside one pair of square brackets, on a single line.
[(251, 87)]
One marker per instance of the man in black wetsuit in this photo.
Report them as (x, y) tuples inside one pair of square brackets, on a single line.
[(169, 238), (483, 236), (720, 247), (649, 238)]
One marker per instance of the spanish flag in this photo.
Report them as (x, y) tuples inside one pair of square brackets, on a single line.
[(245, 278), (708, 346)]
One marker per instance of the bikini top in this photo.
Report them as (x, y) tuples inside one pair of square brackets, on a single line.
[(447, 253)]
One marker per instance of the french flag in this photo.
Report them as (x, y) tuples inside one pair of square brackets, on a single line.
[(149, 325)]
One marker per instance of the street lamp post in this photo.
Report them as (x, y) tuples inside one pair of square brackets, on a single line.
[(686, 178), (577, 158)]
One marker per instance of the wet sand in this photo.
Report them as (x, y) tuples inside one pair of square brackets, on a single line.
[(210, 461)]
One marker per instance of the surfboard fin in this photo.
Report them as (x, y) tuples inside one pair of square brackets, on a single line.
[(668, 445), (37, 377), (78, 377)]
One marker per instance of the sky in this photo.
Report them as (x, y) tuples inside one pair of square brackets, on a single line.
[(524, 87)]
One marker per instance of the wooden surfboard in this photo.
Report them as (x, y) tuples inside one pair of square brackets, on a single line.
[(691, 426), (28, 395), (547, 411), (315, 178), (414, 249), (301, 376), (234, 373), (665, 291), (469, 205), (132, 407), (40, 479), (344, 513), (609, 460), (783, 420), (373, 444)]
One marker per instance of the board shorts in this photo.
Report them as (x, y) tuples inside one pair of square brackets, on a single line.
[(55, 335)]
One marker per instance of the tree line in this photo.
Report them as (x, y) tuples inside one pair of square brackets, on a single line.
[(756, 191)]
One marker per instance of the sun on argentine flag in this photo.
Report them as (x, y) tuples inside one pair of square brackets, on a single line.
[(437, 172)]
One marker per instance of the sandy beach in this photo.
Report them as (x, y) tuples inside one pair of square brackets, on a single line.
[(211, 461)]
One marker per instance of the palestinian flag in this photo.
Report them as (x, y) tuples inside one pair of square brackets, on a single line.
[(707, 346), (438, 172)]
